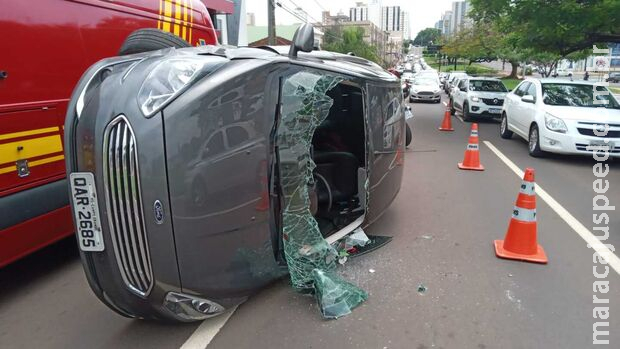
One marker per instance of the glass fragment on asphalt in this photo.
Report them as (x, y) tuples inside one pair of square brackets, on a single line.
[(421, 289), (310, 259)]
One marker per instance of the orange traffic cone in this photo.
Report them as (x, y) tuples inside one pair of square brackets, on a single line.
[(472, 154), (446, 124), (520, 241)]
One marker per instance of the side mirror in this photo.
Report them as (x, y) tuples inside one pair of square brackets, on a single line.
[(464, 89), (528, 99), (303, 40)]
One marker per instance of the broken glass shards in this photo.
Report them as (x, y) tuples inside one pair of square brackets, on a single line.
[(304, 106)]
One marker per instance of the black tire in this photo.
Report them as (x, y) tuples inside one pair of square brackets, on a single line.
[(150, 39), (452, 110), (408, 135), (466, 116), (504, 132), (534, 142)]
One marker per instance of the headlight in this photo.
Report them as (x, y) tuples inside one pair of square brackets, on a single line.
[(555, 124), (475, 99), (165, 82)]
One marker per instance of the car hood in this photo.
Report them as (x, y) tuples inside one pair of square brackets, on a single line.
[(498, 95), (425, 87), (603, 115)]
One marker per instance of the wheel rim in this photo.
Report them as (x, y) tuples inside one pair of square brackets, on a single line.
[(533, 139), (503, 126)]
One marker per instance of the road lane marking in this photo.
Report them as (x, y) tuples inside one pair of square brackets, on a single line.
[(580, 229), (207, 330), (460, 118)]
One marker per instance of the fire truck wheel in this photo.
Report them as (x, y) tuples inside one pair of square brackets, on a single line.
[(150, 39)]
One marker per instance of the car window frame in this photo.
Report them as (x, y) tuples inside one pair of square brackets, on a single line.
[(520, 86)]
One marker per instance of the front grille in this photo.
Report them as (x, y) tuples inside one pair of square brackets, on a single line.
[(124, 206), (425, 93), (584, 147), (492, 101), (590, 132)]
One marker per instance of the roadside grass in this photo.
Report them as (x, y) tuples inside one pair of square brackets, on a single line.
[(473, 69), (615, 90)]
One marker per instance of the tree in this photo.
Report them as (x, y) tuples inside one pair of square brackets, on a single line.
[(554, 26), (352, 40), (427, 36)]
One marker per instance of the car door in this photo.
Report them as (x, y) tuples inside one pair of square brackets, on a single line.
[(460, 96), (516, 110), (528, 112)]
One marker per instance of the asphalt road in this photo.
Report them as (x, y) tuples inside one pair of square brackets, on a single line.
[(443, 223)]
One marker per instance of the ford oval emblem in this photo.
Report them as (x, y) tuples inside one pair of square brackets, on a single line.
[(158, 210)]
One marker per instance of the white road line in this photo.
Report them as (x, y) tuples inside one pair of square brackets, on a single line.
[(207, 330), (445, 104), (460, 118), (580, 229)]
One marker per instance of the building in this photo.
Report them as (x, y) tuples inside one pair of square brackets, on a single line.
[(374, 12), (390, 18), (359, 12), (329, 20), (404, 20), (460, 19), (219, 10), (439, 25), (446, 18)]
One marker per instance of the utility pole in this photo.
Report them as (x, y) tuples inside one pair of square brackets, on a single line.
[(271, 22)]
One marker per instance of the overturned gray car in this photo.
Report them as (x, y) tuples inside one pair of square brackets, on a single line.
[(199, 175)]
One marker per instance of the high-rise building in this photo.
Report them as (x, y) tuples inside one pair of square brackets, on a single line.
[(374, 12), (359, 12), (446, 18), (390, 18), (404, 20), (459, 20)]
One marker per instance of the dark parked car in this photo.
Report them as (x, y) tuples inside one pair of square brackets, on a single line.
[(181, 163), (613, 77)]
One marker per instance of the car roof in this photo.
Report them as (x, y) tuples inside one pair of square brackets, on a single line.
[(560, 81)]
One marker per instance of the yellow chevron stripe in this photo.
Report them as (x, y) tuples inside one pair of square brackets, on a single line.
[(177, 17), (30, 148), (191, 20), (184, 31), (167, 14), (28, 133), (33, 163)]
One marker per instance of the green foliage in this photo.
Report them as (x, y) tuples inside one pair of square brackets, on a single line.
[(352, 41), (427, 37), (559, 27)]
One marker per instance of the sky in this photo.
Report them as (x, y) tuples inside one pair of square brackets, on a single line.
[(422, 13)]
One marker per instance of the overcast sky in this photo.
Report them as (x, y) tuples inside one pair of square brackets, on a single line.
[(422, 13)]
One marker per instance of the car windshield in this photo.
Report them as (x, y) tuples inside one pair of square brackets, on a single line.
[(425, 81), (574, 95), (487, 86)]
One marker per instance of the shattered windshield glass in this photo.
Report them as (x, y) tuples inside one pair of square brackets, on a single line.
[(311, 260)]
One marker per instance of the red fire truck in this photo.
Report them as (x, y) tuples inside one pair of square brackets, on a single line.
[(46, 46)]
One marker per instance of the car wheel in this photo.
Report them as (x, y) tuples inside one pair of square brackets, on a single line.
[(504, 132), (466, 116), (452, 110), (534, 142), (408, 135), (150, 39)]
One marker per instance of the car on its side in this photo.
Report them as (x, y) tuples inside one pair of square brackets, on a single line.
[(183, 164), (425, 87), (566, 117), (479, 97), (613, 77)]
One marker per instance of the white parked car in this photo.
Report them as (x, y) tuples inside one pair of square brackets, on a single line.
[(450, 82), (562, 117), (425, 87), (562, 72), (478, 97)]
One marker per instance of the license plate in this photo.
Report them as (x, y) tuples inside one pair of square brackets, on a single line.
[(86, 211), (495, 111)]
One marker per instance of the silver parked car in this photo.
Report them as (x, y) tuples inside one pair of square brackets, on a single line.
[(192, 170)]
